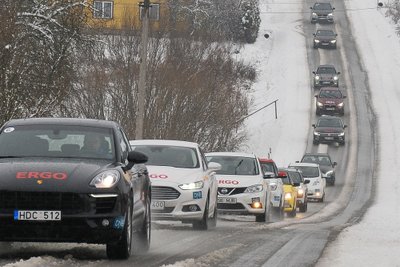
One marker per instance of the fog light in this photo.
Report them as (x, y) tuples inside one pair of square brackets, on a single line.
[(192, 207), (105, 222), (318, 194), (256, 205)]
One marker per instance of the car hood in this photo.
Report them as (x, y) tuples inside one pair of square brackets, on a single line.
[(323, 11), (239, 180), (57, 175), (325, 76), (328, 130), (330, 101), (324, 38), (325, 169), (171, 176)]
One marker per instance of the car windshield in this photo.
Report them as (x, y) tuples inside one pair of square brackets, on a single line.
[(308, 171), (330, 94), (173, 156), (325, 33), (329, 123), (235, 165), (319, 159), (295, 177), (57, 141), (286, 180), (322, 6), (267, 167), (326, 70)]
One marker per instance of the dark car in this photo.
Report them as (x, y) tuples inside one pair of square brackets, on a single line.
[(324, 38), (326, 165), (73, 180), (330, 100), (329, 129), (322, 12), (326, 75)]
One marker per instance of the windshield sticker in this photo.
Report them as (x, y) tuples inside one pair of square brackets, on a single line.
[(9, 130)]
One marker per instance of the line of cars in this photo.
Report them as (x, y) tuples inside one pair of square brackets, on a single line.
[(330, 99)]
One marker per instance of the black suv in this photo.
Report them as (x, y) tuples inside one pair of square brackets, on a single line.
[(324, 38), (329, 129), (322, 12), (326, 165), (326, 75)]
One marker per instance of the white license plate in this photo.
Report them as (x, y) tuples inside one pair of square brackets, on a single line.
[(330, 108), (37, 215), (227, 200), (328, 138), (157, 205)]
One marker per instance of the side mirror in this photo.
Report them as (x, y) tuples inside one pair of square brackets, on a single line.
[(214, 166), (333, 8), (338, 72), (306, 181), (310, 7), (344, 96), (335, 34), (135, 157), (296, 184), (314, 34), (313, 72), (297, 161), (344, 126), (334, 163), (313, 125), (316, 95), (269, 175), (380, 4)]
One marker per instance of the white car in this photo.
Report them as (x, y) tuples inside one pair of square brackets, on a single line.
[(242, 188), (184, 186), (317, 184)]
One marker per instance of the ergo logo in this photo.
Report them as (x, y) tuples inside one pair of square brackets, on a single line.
[(158, 176), (41, 175), (228, 182)]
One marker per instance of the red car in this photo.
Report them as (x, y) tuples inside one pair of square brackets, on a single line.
[(330, 100)]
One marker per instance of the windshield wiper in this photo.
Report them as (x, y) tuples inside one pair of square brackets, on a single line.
[(237, 166)]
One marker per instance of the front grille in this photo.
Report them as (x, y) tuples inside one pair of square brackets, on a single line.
[(225, 191), (225, 206), (105, 204), (69, 203), (164, 193)]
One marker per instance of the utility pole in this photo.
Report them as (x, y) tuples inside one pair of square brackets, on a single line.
[(141, 98)]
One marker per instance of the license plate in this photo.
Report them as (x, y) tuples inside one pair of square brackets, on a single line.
[(330, 108), (226, 200), (328, 138), (37, 215), (157, 205)]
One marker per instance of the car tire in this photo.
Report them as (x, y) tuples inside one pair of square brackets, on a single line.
[(322, 198), (342, 143), (214, 219), (303, 208), (203, 224), (264, 217), (315, 142), (293, 213), (315, 47), (143, 236), (122, 249)]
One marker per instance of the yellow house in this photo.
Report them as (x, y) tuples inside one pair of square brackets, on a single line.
[(122, 14)]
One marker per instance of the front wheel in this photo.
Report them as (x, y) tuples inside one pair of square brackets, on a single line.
[(122, 249), (143, 236), (264, 217), (203, 224), (303, 207)]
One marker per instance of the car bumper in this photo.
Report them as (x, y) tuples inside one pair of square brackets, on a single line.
[(325, 44), (242, 203), (325, 83), (84, 219), (189, 206), (315, 193), (324, 138), (325, 19), (330, 109)]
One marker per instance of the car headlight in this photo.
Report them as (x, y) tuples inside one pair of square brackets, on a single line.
[(335, 78), (288, 196), (333, 41), (316, 40), (340, 105), (330, 15), (254, 188), (341, 134), (329, 173), (300, 193), (192, 186), (314, 14), (317, 77), (273, 186), (317, 133), (319, 104), (316, 182), (106, 179)]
